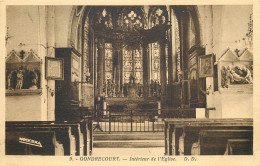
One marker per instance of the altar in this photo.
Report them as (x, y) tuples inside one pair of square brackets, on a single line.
[(125, 104)]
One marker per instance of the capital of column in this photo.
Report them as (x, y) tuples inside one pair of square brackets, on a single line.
[(100, 42)]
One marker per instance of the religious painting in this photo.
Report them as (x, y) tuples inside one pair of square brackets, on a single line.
[(206, 66), (54, 68)]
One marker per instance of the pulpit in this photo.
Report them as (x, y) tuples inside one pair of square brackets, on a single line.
[(67, 91)]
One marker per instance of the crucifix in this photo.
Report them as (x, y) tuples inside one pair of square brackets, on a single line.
[(22, 54), (237, 52)]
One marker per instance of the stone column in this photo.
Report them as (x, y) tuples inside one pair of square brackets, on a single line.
[(47, 108), (145, 69), (117, 56), (50, 39), (120, 59), (170, 45), (170, 61), (100, 66), (162, 67)]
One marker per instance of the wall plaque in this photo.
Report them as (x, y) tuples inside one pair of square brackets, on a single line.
[(54, 68)]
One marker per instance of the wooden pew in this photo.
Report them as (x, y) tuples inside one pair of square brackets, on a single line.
[(215, 141), (30, 143), (63, 138), (181, 134), (239, 147)]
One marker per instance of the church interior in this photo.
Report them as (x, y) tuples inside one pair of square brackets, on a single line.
[(88, 80)]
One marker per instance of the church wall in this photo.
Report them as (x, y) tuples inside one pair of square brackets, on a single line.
[(237, 106), (225, 27), (23, 108), (230, 25), (63, 21), (40, 29), (205, 21), (23, 24)]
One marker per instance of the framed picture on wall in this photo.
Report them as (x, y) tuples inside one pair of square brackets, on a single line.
[(54, 69), (206, 64)]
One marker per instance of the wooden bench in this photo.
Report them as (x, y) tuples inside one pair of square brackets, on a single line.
[(183, 134), (213, 142), (55, 138), (239, 147)]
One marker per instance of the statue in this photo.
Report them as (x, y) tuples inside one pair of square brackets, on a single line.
[(248, 75), (131, 79), (242, 75), (155, 88), (9, 81), (225, 73), (131, 90), (234, 77), (34, 78), (238, 75), (19, 83), (109, 88)]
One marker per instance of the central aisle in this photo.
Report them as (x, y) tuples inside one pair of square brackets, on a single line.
[(159, 151), (128, 144)]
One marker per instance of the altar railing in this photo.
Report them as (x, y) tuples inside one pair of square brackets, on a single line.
[(138, 120)]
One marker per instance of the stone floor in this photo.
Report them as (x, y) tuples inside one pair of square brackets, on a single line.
[(128, 151)]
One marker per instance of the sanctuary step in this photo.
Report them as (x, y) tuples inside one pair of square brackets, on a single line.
[(128, 140)]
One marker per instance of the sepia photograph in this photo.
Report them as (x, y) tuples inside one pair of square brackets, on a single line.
[(133, 83)]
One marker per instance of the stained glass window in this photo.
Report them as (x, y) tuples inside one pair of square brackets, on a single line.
[(138, 66), (132, 19), (158, 17), (133, 63), (155, 59), (108, 61), (128, 64), (104, 17), (155, 56), (177, 47)]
